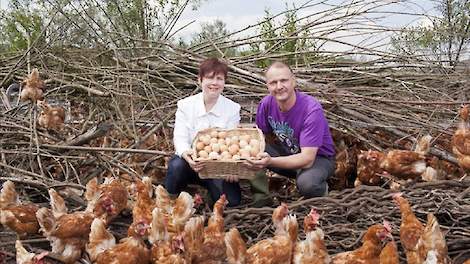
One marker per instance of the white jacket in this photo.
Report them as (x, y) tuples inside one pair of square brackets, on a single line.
[(191, 116)]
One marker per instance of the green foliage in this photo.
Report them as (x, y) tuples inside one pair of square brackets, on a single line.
[(211, 34), (444, 40)]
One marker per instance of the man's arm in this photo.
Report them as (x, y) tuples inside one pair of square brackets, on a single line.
[(304, 159)]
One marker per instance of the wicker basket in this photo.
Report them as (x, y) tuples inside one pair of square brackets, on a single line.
[(220, 169)]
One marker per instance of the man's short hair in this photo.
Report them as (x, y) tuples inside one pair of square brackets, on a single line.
[(212, 65), (278, 64)]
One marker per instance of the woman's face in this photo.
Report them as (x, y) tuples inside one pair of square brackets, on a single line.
[(212, 85)]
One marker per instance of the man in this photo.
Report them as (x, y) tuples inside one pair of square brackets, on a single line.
[(303, 146)]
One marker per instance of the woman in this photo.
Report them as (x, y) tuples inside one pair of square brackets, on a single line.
[(206, 109)]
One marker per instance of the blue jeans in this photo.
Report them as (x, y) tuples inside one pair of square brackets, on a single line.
[(311, 182), (180, 174)]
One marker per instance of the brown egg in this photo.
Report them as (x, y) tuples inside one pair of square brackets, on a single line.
[(214, 134), (245, 137), (243, 143), (203, 154), (223, 148), (228, 141), (245, 154), (221, 141), (213, 155), (208, 149), (225, 155), (254, 151), (222, 134), (233, 149), (214, 140), (234, 140), (200, 145)]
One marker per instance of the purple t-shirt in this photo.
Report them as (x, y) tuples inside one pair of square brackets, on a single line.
[(304, 125)]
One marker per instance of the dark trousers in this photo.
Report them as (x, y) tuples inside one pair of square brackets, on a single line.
[(180, 174), (311, 182)]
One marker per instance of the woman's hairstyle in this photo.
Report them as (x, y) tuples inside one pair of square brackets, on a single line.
[(212, 66)]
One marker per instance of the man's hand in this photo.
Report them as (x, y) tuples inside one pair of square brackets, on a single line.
[(197, 166), (263, 161)]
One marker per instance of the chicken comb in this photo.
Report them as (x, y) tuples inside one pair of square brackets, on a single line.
[(198, 199), (314, 215), (387, 226)]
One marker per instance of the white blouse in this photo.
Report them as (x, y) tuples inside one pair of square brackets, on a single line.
[(191, 116)]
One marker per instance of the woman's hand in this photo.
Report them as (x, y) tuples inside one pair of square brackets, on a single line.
[(263, 160), (197, 166)]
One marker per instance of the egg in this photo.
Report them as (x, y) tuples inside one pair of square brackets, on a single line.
[(243, 143), (234, 140), (215, 147), (245, 137), (206, 139), (254, 151), (222, 134), (223, 147), (225, 155), (208, 149), (233, 149), (221, 141), (200, 145), (214, 134), (236, 157), (254, 142), (214, 140), (245, 154), (203, 154), (213, 155), (228, 141)]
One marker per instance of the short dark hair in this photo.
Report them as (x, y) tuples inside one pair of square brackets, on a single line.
[(278, 64), (212, 65)]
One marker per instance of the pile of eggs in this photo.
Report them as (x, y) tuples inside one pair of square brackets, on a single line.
[(219, 145)]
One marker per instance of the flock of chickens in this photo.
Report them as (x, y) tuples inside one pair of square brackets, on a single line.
[(165, 230), (404, 165)]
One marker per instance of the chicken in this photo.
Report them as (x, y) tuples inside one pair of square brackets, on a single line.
[(165, 249), (20, 218), (411, 229), (461, 140), (312, 250), (102, 247), (467, 261), (51, 117), (368, 166), (68, 233), (371, 247), (213, 247), (340, 178), (432, 243), (278, 249), (110, 198), (32, 87), (25, 257), (389, 254), (142, 211), (193, 238), (405, 164)]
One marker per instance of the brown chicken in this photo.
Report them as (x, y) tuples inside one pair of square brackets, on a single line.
[(25, 257), (165, 249), (108, 200), (102, 247), (461, 140), (371, 247), (51, 117), (389, 254), (193, 238), (342, 169), (432, 247), (32, 87), (20, 218), (68, 233), (312, 250), (405, 164), (411, 229), (213, 247), (368, 166), (278, 249), (142, 210)]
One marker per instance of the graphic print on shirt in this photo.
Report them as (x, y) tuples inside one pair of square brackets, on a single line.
[(285, 134)]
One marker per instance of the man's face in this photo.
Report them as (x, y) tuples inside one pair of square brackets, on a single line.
[(281, 83), (212, 84)]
